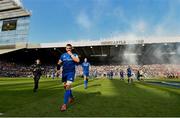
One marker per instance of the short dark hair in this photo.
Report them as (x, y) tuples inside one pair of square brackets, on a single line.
[(69, 45)]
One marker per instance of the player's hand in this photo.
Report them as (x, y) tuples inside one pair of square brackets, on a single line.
[(70, 53)]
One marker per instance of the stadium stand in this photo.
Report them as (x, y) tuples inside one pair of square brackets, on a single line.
[(8, 69)]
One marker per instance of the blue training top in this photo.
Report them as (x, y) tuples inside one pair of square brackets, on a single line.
[(68, 63), (129, 72), (85, 66)]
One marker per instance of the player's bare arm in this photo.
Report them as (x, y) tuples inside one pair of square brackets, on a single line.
[(76, 59), (59, 62)]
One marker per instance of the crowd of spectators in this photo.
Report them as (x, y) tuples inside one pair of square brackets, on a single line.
[(154, 70), (10, 69)]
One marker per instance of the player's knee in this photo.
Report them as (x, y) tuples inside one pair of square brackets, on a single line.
[(68, 85)]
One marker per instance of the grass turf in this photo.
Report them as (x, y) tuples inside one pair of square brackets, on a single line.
[(102, 98)]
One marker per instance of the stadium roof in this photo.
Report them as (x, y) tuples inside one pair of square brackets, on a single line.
[(98, 43), (114, 41), (12, 9)]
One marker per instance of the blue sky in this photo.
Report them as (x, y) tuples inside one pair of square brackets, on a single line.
[(62, 20)]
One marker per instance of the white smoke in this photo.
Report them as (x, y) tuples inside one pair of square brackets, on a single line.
[(165, 54), (129, 55), (178, 50), (158, 53), (174, 57)]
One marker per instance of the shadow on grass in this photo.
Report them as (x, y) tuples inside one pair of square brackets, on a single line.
[(129, 101), (140, 102), (171, 90), (94, 85)]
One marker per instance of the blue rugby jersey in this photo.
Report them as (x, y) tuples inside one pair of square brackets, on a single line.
[(85, 66), (68, 65)]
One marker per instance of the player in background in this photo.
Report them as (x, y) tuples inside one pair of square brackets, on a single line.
[(58, 70), (37, 72), (68, 61), (121, 73), (86, 68), (95, 73), (111, 74), (129, 75), (140, 74), (53, 74)]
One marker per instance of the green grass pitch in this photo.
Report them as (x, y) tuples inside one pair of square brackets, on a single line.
[(102, 98)]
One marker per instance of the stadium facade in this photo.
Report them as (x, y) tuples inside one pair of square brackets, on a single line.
[(14, 25)]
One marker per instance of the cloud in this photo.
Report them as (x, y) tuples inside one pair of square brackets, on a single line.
[(99, 9), (138, 28), (84, 21), (166, 24), (159, 30), (170, 24), (141, 26)]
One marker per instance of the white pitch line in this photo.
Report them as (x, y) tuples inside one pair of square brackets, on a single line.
[(77, 86), (176, 84)]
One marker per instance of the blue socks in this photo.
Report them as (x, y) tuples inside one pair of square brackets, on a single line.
[(66, 96), (85, 83)]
